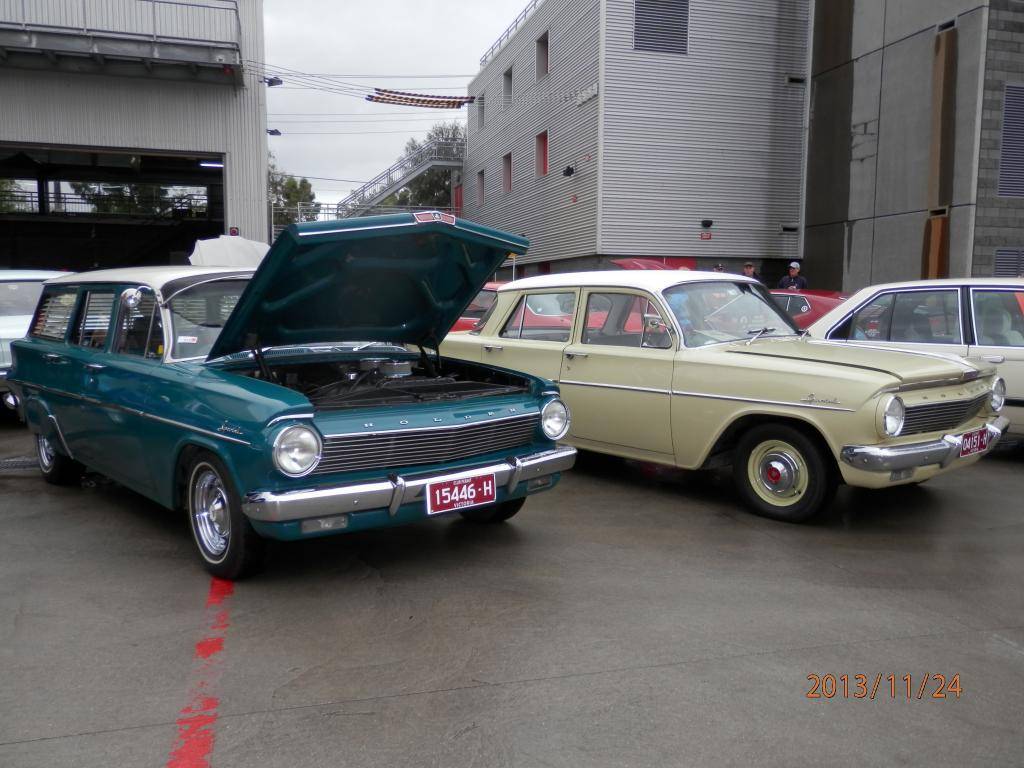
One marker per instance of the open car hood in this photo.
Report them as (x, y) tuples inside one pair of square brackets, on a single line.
[(403, 278)]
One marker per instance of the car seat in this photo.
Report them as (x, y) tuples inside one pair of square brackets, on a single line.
[(997, 329)]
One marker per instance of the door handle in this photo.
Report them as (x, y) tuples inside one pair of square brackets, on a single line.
[(492, 348), (993, 359), (574, 355), (53, 358), (95, 366)]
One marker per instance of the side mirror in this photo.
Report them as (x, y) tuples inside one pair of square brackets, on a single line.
[(657, 334), (131, 298)]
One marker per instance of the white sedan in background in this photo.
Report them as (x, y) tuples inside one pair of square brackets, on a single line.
[(981, 319), (19, 292)]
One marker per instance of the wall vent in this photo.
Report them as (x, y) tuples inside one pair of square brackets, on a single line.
[(661, 26), (1009, 262), (1011, 154)]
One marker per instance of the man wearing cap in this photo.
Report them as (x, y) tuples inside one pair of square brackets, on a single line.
[(750, 271), (719, 267), (793, 281)]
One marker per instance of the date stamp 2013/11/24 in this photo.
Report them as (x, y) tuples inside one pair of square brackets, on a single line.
[(887, 686)]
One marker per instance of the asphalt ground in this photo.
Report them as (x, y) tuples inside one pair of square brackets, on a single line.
[(623, 619)]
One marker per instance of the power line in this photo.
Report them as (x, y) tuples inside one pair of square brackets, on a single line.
[(278, 121), (318, 178), (348, 133)]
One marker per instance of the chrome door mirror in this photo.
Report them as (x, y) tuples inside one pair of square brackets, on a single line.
[(656, 333), (131, 298)]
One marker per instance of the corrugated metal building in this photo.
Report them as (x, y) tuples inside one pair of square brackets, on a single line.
[(105, 101), (916, 153), (643, 128)]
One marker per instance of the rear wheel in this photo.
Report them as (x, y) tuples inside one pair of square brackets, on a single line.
[(227, 543), (57, 468), (782, 473), (493, 513)]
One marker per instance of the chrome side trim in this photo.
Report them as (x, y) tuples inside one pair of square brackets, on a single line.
[(617, 386), (357, 229), (396, 491), (136, 412), (765, 402), (944, 451), (60, 434), (432, 429)]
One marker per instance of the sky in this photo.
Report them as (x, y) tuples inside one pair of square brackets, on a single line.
[(406, 45)]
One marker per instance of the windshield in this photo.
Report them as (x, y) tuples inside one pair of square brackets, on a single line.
[(710, 313), (19, 298), (198, 315)]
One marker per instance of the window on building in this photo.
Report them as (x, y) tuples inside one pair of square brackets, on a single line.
[(506, 87), (661, 26), (140, 330), (542, 154), (479, 187), (506, 172), (1009, 262), (542, 56), (1011, 153), (95, 320), (480, 111), (54, 314)]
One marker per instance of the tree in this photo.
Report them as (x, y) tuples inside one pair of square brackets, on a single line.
[(7, 188), (434, 187), (287, 193), (136, 199)]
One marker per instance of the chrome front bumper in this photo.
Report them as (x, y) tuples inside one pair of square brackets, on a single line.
[(875, 458), (397, 490)]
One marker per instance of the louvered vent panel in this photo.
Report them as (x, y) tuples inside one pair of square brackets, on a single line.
[(1009, 262), (661, 26), (54, 315), (1011, 157)]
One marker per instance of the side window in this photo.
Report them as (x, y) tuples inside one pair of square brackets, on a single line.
[(94, 321), (542, 317), (798, 305), (871, 322), (999, 318), (140, 329), (928, 317), (53, 315), (624, 320)]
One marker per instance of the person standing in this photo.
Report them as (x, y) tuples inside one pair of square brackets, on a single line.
[(793, 281), (750, 271)]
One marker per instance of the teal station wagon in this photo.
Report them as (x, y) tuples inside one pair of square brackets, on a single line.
[(303, 400)]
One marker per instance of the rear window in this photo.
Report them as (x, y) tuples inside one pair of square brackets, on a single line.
[(94, 323), (19, 297), (53, 315)]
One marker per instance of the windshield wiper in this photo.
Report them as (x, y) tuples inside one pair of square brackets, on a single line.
[(758, 333)]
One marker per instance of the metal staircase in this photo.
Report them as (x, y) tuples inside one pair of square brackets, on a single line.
[(435, 154)]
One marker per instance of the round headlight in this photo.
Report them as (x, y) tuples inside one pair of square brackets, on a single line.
[(998, 398), (892, 419), (554, 419), (297, 450)]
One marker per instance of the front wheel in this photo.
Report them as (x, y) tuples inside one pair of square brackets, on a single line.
[(782, 473), (57, 468), (493, 513), (226, 541)]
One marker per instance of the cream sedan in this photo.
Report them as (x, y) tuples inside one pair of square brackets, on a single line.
[(699, 370), (981, 319)]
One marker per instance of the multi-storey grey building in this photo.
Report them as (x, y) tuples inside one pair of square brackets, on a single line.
[(916, 152), (643, 128), (128, 129)]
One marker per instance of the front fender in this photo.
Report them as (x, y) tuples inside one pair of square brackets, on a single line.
[(40, 418)]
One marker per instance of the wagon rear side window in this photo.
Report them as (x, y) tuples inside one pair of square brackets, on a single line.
[(54, 314), (94, 322)]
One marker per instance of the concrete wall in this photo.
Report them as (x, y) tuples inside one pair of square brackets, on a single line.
[(868, 153), (1000, 220), (95, 111)]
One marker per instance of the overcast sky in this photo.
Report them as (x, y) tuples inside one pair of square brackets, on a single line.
[(384, 43)]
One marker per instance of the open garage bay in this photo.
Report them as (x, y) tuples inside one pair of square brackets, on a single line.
[(629, 617)]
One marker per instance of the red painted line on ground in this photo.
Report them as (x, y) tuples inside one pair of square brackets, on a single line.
[(196, 721)]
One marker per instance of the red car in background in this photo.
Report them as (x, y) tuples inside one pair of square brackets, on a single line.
[(477, 308), (807, 306)]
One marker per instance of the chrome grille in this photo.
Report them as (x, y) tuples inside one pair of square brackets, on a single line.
[(936, 417), (404, 448)]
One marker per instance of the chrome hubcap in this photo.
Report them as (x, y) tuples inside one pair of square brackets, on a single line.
[(779, 473), (46, 452), (210, 514)]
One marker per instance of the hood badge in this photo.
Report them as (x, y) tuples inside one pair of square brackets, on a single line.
[(812, 399), (229, 428)]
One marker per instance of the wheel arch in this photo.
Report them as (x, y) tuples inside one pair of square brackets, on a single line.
[(721, 451), (185, 451)]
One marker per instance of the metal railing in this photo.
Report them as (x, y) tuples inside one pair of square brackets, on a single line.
[(20, 201), (520, 20), (210, 21), (406, 168)]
